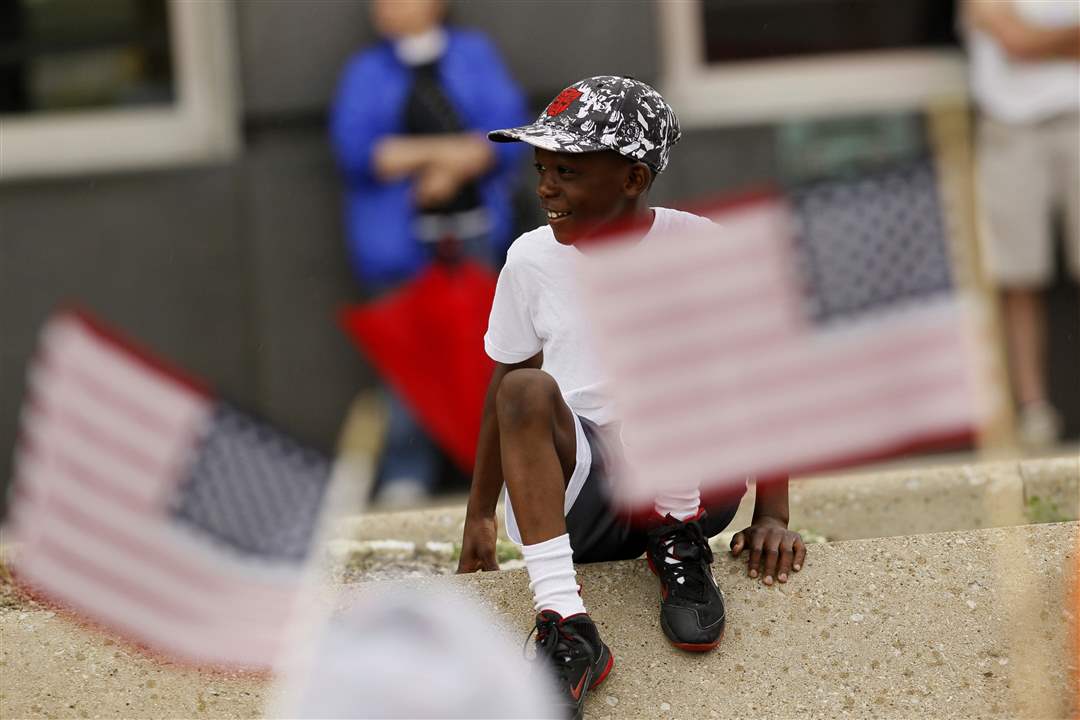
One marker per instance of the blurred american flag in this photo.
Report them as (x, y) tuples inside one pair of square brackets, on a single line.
[(148, 507), (804, 331)]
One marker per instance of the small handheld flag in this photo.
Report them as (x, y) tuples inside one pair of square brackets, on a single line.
[(149, 507)]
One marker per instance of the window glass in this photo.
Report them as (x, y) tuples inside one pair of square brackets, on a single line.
[(749, 30), (67, 55)]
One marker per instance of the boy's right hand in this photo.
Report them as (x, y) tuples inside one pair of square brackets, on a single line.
[(478, 545)]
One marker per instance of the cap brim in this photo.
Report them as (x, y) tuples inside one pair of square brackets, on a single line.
[(546, 138)]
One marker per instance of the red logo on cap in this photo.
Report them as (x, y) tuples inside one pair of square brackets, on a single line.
[(562, 102)]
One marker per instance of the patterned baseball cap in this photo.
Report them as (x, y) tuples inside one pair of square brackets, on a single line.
[(605, 112)]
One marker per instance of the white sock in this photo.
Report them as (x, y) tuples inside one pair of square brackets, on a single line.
[(679, 504), (553, 580)]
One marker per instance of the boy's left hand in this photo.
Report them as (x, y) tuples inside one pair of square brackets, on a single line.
[(774, 550)]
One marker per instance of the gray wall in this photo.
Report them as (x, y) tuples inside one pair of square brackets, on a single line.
[(237, 271), (161, 255), (293, 49), (234, 272)]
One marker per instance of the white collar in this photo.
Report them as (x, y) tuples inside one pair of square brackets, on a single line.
[(423, 48)]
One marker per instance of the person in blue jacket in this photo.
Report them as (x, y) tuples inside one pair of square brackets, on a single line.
[(422, 183)]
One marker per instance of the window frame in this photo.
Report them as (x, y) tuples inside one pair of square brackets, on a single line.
[(200, 125), (767, 90)]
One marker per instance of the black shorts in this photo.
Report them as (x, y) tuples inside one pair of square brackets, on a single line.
[(599, 532)]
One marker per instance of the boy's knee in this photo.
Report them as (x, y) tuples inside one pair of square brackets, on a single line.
[(526, 396)]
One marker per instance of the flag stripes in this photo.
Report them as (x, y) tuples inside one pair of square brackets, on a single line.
[(725, 365), (109, 443)]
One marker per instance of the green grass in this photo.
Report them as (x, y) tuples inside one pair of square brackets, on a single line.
[(810, 535), (1039, 510)]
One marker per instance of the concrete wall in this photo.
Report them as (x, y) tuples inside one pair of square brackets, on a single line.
[(159, 254), (236, 271), (293, 49)]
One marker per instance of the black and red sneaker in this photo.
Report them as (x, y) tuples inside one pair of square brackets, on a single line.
[(578, 658), (691, 605)]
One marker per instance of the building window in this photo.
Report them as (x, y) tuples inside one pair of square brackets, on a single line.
[(745, 61), (60, 55), (115, 84), (761, 29)]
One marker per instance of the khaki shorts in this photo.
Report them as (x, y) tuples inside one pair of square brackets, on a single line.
[(1027, 175)]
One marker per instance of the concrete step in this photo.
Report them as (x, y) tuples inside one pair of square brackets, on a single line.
[(906, 501), (952, 625)]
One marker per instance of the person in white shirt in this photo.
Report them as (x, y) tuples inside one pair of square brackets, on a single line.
[(1025, 77), (550, 432)]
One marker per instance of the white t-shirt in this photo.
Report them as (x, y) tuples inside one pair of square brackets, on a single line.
[(1017, 91), (538, 307)]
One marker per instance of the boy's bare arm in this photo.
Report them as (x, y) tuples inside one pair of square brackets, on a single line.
[(774, 550), (481, 530), (772, 501)]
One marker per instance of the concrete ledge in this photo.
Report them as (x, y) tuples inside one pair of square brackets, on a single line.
[(442, 524), (958, 625), (908, 501)]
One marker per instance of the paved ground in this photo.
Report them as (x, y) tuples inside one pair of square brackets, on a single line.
[(940, 625), (51, 668), (965, 624)]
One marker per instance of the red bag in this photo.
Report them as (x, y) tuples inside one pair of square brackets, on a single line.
[(426, 340)]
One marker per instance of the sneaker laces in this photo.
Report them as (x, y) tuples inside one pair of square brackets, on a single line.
[(685, 559), (554, 643)]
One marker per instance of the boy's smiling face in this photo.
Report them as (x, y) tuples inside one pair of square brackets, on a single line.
[(584, 193)]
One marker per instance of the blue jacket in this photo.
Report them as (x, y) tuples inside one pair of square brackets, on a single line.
[(369, 105)]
